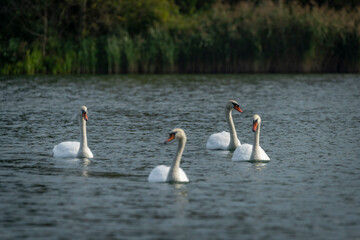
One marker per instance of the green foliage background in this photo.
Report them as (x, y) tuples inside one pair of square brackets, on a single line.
[(166, 36)]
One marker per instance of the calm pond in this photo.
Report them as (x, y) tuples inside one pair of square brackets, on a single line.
[(309, 190)]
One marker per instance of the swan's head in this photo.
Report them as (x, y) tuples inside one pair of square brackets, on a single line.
[(176, 133), (83, 113), (232, 104), (256, 122)]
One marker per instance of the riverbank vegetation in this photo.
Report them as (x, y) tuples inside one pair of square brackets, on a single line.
[(167, 36)]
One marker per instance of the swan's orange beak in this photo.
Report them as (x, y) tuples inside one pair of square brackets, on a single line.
[(85, 116), (172, 137), (238, 108), (255, 124)]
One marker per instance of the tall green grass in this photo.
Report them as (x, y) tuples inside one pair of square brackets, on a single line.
[(268, 38)]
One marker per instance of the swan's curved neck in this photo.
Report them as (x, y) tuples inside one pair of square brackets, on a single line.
[(83, 138), (174, 169), (233, 136), (255, 155)]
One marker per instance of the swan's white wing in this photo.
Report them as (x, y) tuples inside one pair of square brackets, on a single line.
[(263, 155), (66, 149), (242, 152), (219, 141), (159, 174), (182, 176)]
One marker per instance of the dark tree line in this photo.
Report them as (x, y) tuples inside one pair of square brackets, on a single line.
[(29, 26)]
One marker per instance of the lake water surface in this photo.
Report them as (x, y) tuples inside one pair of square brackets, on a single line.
[(309, 190)]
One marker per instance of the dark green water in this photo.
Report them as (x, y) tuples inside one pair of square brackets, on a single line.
[(309, 189)]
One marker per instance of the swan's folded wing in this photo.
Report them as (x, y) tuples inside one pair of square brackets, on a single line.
[(66, 149), (263, 155), (242, 153), (183, 177), (159, 174), (218, 141)]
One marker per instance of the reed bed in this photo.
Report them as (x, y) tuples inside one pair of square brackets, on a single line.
[(273, 38)]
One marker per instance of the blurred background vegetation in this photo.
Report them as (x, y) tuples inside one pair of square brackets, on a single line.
[(174, 36)]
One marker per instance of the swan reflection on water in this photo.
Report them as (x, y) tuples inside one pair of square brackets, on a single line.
[(181, 192), (258, 165), (86, 163), (181, 199)]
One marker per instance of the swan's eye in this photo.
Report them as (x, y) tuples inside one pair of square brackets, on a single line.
[(236, 105), (171, 137)]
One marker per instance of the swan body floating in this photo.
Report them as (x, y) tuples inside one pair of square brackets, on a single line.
[(173, 173), (75, 149), (225, 140), (247, 152)]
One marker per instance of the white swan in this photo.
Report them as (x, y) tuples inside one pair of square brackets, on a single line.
[(247, 152), (225, 140), (173, 173), (75, 149)]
